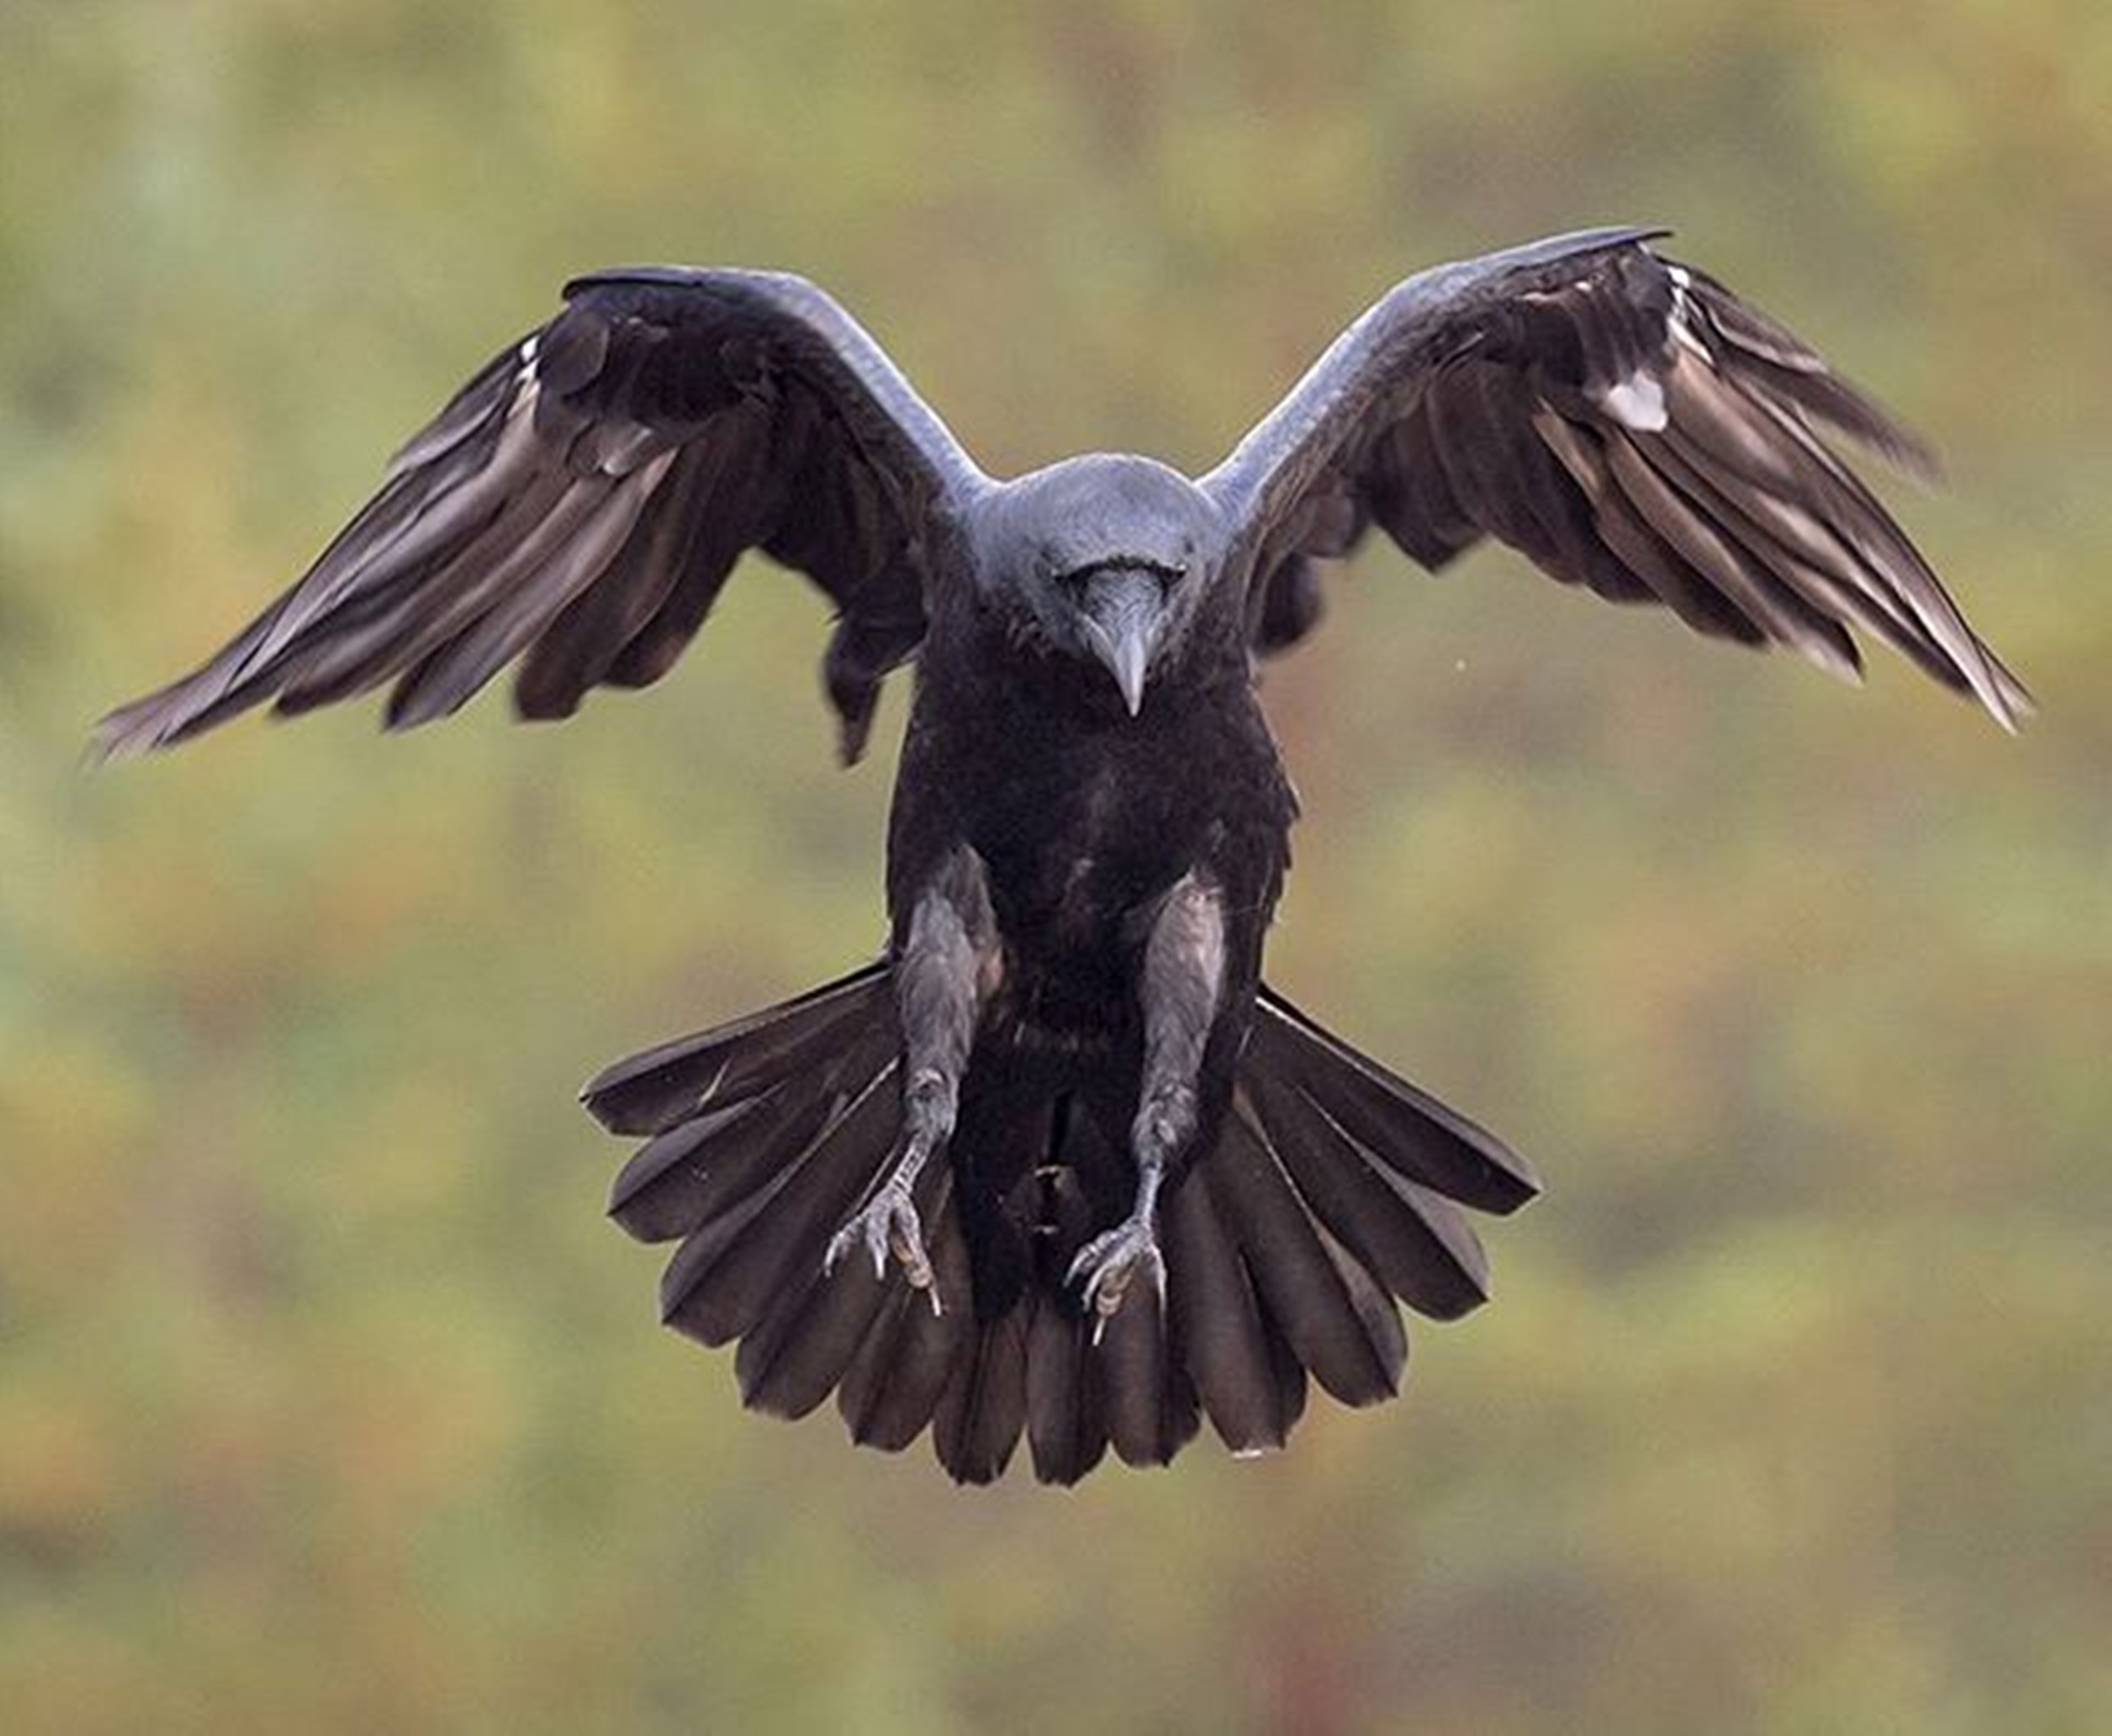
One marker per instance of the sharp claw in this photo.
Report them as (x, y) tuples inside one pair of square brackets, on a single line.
[(1109, 1263), (888, 1224)]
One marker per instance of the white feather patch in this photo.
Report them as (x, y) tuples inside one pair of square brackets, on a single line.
[(1636, 401), (1681, 324)]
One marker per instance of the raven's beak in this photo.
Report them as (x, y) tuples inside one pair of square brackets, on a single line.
[(1125, 614)]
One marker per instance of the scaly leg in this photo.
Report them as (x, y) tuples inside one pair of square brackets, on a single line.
[(944, 977), (1183, 976)]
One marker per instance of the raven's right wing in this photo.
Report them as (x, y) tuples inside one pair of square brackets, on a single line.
[(580, 501)]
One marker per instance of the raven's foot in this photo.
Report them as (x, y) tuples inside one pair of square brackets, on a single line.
[(888, 1224), (1110, 1263)]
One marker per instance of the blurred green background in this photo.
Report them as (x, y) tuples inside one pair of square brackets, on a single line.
[(328, 1401)]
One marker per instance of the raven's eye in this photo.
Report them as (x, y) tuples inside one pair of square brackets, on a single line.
[(1169, 578)]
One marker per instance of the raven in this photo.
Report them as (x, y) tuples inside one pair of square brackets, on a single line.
[(1059, 1164)]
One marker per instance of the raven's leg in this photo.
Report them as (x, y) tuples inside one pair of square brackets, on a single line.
[(1183, 976), (942, 978)]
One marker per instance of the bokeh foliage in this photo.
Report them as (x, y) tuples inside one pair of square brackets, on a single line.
[(327, 1399)]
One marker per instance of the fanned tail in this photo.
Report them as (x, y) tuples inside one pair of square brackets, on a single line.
[(1334, 1190)]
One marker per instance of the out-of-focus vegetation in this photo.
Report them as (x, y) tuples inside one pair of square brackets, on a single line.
[(328, 1401)]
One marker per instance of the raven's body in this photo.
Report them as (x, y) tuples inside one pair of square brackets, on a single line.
[(1082, 816), (1058, 1164)]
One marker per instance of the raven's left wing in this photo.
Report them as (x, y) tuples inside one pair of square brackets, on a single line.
[(1625, 422), (580, 502)]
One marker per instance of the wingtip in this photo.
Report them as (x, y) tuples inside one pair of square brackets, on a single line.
[(129, 732), (2021, 701), (1842, 662), (2002, 695), (1913, 457), (108, 745)]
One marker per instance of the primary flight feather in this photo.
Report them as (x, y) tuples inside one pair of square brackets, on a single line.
[(1059, 1164)]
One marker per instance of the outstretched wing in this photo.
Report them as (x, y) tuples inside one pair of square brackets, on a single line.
[(580, 502), (1625, 422)]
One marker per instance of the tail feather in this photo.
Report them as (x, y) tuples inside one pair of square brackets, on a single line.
[(1333, 1188), (1338, 1321), (1406, 1129), (1417, 1243), (1251, 1389), (650, 1092), (681, 1179), (727, 1273), (1095, 1383), (798, 1352), (894, 1382), (1092, 1383), (1067, 1412), (1066, 1422), (892, 1386), (1152, 1409), (983, 1407)]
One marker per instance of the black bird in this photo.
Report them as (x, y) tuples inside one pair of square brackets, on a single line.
[(1059, 1162)]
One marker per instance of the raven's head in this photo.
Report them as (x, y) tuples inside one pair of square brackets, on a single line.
[(1104, 556)]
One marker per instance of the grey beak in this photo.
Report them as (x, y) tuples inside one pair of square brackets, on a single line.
[(1125, 614)]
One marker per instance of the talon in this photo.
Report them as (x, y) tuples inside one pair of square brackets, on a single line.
[(1110, 1263), (888, 1224)]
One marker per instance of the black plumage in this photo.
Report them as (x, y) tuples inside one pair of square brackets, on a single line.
[(1058, 1165)]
